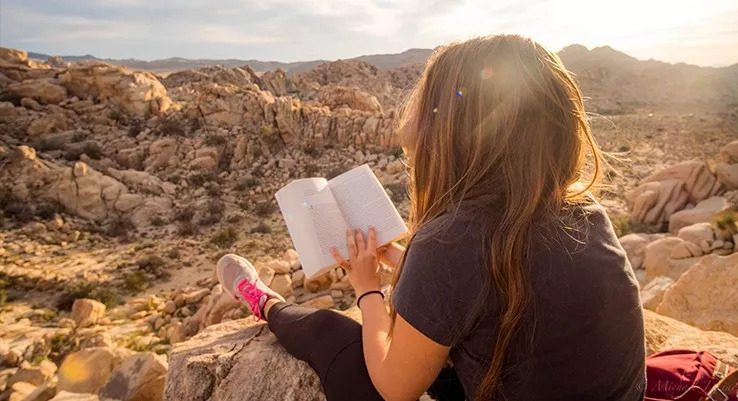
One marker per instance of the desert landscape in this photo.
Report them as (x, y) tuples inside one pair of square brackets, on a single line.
[(123, 182)]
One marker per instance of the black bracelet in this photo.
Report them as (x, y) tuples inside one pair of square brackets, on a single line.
[(358, 301)]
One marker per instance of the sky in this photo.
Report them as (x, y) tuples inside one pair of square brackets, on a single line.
[(702, 32)]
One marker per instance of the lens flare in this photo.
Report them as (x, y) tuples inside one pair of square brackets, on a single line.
[(486, 73)]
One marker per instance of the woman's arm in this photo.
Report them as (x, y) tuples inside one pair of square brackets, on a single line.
[(404, 365)]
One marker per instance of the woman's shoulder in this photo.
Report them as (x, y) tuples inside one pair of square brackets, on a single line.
[(458, 225)]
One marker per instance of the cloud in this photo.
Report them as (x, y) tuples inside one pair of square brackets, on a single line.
[(290, 30), (226, 35)]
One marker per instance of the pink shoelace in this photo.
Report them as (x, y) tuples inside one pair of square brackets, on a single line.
[(251, 295)]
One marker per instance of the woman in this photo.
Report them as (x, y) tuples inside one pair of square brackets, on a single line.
[(512, 269)]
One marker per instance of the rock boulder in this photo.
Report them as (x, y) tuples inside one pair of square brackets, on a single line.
[(706, 295), (218, 365)]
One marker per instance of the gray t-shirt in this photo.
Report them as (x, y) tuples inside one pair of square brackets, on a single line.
[(584, 339)]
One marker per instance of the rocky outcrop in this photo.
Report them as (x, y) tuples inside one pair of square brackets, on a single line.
[(84, 192), (351, 97), (139, 378), (704, 211), (706, 295), (138, 93), (671, 190), (46, 91), (218, 365), (663, 333), (669, 257), (294, 122)]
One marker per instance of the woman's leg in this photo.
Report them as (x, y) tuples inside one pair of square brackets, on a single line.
[(330, 343)]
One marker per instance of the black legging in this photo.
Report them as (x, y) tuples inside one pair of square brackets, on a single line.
[(331, 344)]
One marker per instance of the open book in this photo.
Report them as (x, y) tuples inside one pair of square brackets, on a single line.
[(318, 212)]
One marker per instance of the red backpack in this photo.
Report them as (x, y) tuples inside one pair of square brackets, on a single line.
[(686, 375)]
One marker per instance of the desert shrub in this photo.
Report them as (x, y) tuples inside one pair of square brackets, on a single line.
[(312, 170), (199, 179), (173, 253), (226, 155), (215, 140), (92, 149), (174, 178), (80, 290), (334, 172), (187, 228), (195, 123), (47, 210), (263, 228), (136, 127), (14, 208), (135, 282), (623, 225), (154, 265), (264, 209), (213, 189), (235, 218), (225, 238), (120, 227), (215, 210), (172, 127), (266, 129), (116, 115), (312, 151), (185, 214), (150, 263), (726, 221), (246, 183), (3, 294)]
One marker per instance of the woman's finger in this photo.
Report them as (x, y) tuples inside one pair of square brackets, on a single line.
[(372, 241), (339, 259), (351, 243), (360, 240)]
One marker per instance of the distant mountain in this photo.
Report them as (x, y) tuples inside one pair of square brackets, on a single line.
[(613, 81), (168, 65)]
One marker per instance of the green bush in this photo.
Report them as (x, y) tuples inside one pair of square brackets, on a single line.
[(187, 228), (726, 221), (172, 127), (120, 227), (200, 179), (185, 214), (135, 282), (225, 238), (81, 290), (215, 140), (264, 209), (246, 183), (262, 228)]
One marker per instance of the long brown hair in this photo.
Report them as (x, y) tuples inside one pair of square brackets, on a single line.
[(498, 121)]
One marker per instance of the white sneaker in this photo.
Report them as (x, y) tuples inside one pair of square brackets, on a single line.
[(241, 281)]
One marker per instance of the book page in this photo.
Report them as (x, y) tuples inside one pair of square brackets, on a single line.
[(364, 203), (314, 221)]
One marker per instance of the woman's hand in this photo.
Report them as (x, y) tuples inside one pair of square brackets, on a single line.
[(391, 255), (363, 270)]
